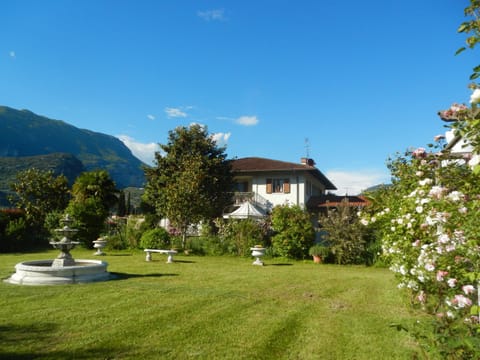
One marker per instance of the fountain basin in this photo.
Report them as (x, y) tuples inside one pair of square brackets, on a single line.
[(41, 272)]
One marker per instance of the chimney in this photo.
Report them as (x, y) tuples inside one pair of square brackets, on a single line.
[(307, 161)]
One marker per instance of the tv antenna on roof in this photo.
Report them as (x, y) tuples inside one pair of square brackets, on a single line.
[(307, 148)]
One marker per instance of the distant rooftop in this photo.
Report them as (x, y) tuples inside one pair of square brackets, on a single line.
[(332, 200)]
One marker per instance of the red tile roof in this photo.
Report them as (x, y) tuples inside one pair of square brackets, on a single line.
[(332, 200)]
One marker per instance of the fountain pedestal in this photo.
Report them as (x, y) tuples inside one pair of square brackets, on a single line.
[(63, 261), (64, 245)]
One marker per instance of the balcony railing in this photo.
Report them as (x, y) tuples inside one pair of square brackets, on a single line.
[(253, 197)]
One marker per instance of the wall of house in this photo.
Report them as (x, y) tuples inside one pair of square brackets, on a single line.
[(461, 146), (301, 186)]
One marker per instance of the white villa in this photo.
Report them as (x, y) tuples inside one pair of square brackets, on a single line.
[(267, 183)]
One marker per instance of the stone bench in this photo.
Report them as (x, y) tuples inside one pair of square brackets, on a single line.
[(170, 254)]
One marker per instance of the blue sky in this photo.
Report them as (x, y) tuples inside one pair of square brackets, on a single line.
[(348, 83)]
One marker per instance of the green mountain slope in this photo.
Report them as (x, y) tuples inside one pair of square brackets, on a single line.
[(60, 164), (25, 134)]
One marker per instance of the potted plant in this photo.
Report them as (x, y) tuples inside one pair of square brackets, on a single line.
[(319, 252)]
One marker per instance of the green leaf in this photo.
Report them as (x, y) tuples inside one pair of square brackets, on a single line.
[(462, 27), (474, 76), (463, 48), (476, 169), (474, 310)]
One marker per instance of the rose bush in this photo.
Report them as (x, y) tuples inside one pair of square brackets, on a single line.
[(431, 239), (429, 225)]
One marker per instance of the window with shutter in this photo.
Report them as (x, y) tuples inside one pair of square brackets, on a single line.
[(286, 186), (278, 186), (269, 186)]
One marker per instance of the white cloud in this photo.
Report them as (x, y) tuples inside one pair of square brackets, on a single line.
[(221, 138), (151, 117), (354, 182), (144, 152), (12, 54), (175, 112), (247, 120), (212, 15)]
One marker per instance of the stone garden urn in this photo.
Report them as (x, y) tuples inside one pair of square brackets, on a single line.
[(100, 244), (257, 252)]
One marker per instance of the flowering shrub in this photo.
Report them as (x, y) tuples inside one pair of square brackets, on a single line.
[(431, 239), (429, 227)]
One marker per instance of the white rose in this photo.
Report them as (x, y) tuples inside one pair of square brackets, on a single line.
[(475, 160), (475, 97)]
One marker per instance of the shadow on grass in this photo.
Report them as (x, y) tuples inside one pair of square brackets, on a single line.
[(115, 276), (15, 334), (175, 261), (185, 261), (25, 342), (279, 264)]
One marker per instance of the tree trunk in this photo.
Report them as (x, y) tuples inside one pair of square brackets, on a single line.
[(184, 239)]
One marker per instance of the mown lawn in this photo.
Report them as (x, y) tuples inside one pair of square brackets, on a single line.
[(205, 308)]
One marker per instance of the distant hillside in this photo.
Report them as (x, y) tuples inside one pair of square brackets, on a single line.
[(25, 134), (60, 164)]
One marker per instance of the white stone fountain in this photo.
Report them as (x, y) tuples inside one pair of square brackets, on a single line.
[(62, 270)]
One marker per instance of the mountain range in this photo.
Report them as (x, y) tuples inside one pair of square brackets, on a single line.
[(30, 140)]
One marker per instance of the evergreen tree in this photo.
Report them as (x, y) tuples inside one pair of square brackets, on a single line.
[(129, 204), (121, 208)]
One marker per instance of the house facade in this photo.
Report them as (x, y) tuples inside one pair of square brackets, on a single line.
[(268, 183), (457, 145)]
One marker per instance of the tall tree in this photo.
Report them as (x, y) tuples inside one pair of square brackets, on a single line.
[(122, 206), (192, 181), (39, 193), (128, 207)]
